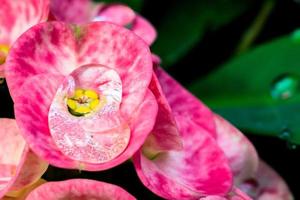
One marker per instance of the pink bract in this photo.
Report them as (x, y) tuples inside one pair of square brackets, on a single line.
[(241, 154), (82, 11), (100, 56), (235, 194), (168, 174), (213, 150), (19, 15), (74, 11), (79, 189), (19, 167), (266, 185)]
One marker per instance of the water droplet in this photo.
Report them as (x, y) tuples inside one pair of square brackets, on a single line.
[(285, 134), (291, 145), (250, 186), (296, 35), (284, 86), (129, 26)]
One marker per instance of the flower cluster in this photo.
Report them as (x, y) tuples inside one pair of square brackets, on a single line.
[(89, 94)]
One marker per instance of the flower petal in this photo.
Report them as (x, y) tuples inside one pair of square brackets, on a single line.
[(165, 128), (240, 152), (168, 174), (74, 11), (144, 29), (31, 110), (59, 48), (99, 136), (183, 102), (16, 160), (10, 155), (116, 13), (84, 11), (156, 60), (19, 16), (141, 125), (235, 194), (267, 185), (43, 49), (126, 53), (23, 193), (79, 189), (32, 170)]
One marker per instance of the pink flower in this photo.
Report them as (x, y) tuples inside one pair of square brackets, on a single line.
[(82, 11), (266, 185), (81, 94), (19, 167), (15, 18), (214, 158), (79, 189)]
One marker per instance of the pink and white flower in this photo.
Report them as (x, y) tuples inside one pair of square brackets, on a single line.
[(81, 93), (15, 18), (79, 189), (19, 167), (83, 11), (215, 159), (266, 184)]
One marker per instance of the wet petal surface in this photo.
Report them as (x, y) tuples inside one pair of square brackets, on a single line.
[(100, 135)]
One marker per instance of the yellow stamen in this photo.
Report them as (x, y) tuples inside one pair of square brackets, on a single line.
[(82, 110), (94, 103), (72, 104), (78, 93), (83, 102), (3, 53), (91, 94)]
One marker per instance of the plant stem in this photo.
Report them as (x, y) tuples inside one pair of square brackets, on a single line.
[(253, 31)]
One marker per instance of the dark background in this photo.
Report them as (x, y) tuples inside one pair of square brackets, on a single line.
[(209, 53)]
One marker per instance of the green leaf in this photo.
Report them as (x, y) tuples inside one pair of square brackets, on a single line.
[(134, 4), (258, 91), (185, 22)]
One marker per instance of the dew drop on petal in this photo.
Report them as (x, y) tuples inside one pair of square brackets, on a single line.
[(99, 19), (250, 186), (84, 117), (284, 86)]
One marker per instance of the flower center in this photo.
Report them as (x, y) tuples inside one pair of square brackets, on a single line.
[(3, 53), (83, 102)]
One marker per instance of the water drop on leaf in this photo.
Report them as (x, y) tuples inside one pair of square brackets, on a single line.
[(296, 36), (284, 86), (285, 134), (291, 145)]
